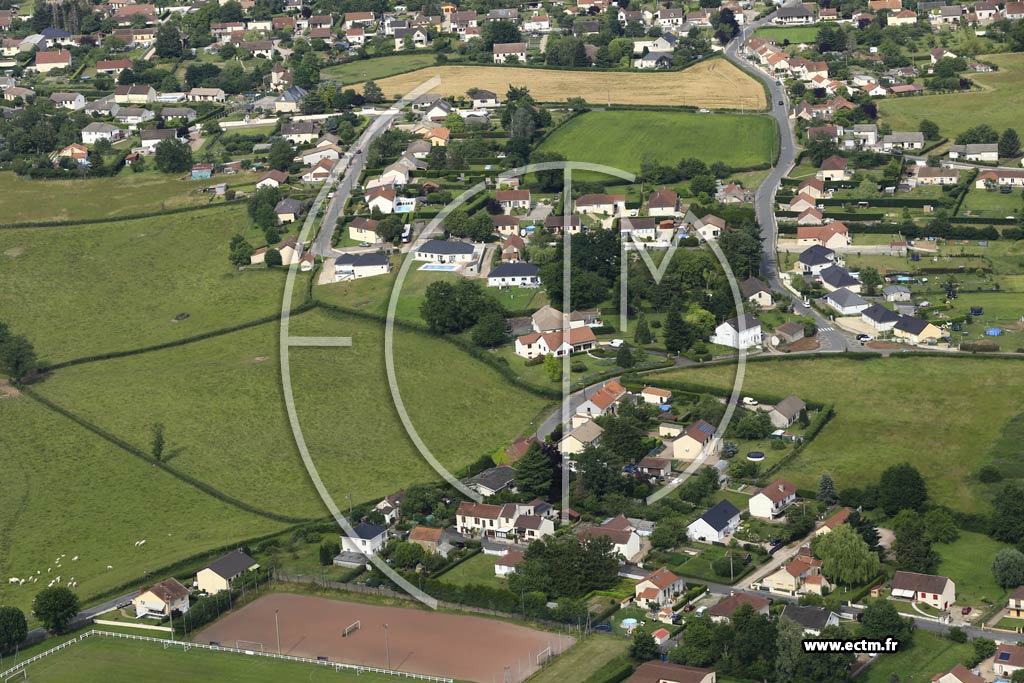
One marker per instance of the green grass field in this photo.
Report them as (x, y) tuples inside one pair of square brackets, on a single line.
[(930, 654), (793, 34), (622, 139), (940, 414), (105, 499), (590, 655), (126, 194), (103, 659), (221, 402), (998, 102), (92, 289), (478, 569), (378, 67), (967, 561), (991, 204)]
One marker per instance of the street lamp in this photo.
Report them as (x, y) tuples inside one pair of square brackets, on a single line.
[(277, 629), (387, 648)]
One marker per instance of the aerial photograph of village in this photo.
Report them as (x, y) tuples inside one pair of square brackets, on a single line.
[(479, 341)]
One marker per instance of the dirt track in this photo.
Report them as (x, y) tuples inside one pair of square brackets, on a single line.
[(714, 83), (455, 646)]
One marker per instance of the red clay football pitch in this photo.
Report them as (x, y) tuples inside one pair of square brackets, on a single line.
[(455, 646)]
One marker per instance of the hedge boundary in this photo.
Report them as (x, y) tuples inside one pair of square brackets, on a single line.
[(118, 219)]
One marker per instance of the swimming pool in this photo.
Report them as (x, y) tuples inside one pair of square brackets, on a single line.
[(404, 208), (439, 266)]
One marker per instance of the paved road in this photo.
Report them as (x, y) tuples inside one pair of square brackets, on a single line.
[(830, 339), (38, 634)]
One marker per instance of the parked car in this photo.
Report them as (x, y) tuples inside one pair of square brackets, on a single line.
[(606, 628), (748, 401), (864, 337)]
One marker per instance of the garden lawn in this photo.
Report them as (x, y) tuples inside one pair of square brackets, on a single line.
[(103, 659), (477, 570), (585, 661), (699, 566), (222, 405), (93, 289), (967, 561), (69, 492), (1001, 309), (795, 34), (622, 139), (379, 67), (891, 410), (998, 102), (929, 655), (986, 204), (24, 200)]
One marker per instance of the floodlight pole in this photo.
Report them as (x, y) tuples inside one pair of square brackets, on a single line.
[(387, 647), (277, 629)]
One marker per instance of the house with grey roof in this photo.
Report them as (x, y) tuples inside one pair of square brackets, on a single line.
[(784, 413), (845, 302)]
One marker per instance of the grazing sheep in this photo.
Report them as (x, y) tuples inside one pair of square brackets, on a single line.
[(22, 582), (13, 579), (109, 567), (75, 558)]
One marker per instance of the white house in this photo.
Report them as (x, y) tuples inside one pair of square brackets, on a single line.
[(97, 130), (607, 204), (772, 500), (445, 251), (366, 538), (161, 599), (729, 333), (514, 275), (575, 340), (356, 266), (845, 302), (506, 52), (879, 317), (715, 524), (812, 619), (658, 589), (936, 591), (218, 575)]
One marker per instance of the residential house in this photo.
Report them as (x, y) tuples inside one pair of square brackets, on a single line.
[(812, 619), (655, 396), (845, 302), (663, 203), (879, 317), (587, 434), (802, 203), (558, 343), (356, 266), (391, 507), (485, 99), (666, 672), (218, 575), (836, 277), (445, 251), (833, 169), (1008, 658), (896, 293), (928, 175), (801, 575), (790, 332), (428, 538), (206, 95), (364, 230), (97, 130), (49, 60), (771, 501), (272, 178), (936, 591), (134, 94), (529, 528), (916, 331), (815, 259), (300, 132), (437, 137), (68, 100), (1002, 177), (512, 249), (288, 210), (710, 227), (152, 137), (716, 524), (626, 541), (604, 399), (320, 172), (290, 250), (724, 610), (507, 563), (519, 274), (365, 538), (1015, 604), (834, 521), (161, 599), (607, 204), (411, 37), (290, 100), (812, 187), (134, 116), (363, 19), (695, 441), (655, 467), (786, 412), (1014, 11), (493, 480), (832, 235), (958, 674), (660, 588), (756, 292), (903, 141), (645, 228), (738, 333), (513, 199), (509, 52), (183, 114), (903, 17), (975, 152), (316, 154)]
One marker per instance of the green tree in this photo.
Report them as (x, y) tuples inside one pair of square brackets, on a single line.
[(940, 526), (1009, 143), (173, 156), (642, 334), (929, 128), (821, 147), (624, 357), (158, 442), (678, 337), (871, 280), (846, 559), (239, 251), (55, 607), (326, 559), (703, 644), (534, 473), (489, 330), (1008, 568), (273, 258), (168, 42), (1008, 514), (789, 638), (827, 490), (372, 92), (407, 555), (13, 627), (670, 531), (882, 620), (901, 487), (643, 648), (280, 155), (753, 425), (553, 367), (912, 549)]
